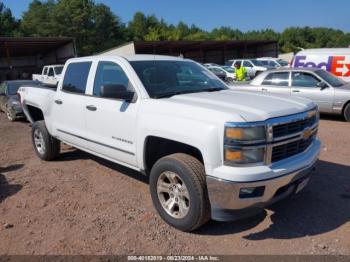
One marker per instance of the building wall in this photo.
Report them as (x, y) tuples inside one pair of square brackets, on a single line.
[(127, 49)]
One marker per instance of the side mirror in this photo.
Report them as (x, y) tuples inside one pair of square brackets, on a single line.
[(117, 92), (322, 85)]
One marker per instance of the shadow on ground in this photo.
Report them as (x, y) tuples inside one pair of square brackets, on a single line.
[(338, 118), (76, 154), (6, 189), (322, 207)]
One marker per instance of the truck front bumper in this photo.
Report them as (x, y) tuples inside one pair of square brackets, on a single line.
[(233, 200)]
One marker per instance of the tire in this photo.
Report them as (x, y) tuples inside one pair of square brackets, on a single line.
[(184, 170), (10, 114), (347, 112), (45, 146)]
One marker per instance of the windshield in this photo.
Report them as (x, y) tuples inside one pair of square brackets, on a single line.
[(228, 69), (167, 78), (58, 70), (331, 79), (256, 62), (282, 62), (12, 87)]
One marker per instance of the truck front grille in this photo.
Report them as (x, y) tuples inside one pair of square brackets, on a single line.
[(290, 149), (291, 128)]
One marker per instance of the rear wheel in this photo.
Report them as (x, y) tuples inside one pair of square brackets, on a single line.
[(46, 146), (10, 113), (347, 112), (179, 193)]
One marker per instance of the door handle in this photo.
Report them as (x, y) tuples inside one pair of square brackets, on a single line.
[(263, 89), (58, 102), (296, 91), (91, 108)]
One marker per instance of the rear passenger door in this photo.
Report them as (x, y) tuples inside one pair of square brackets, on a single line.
[(276, 83), (68, 116), (304, 84)]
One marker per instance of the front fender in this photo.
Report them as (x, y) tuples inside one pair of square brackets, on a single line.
[(202, 135)]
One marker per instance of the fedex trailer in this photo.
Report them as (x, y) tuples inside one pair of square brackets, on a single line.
[(334, 60)]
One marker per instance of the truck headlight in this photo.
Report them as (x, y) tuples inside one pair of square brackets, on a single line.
[(235, 156), (244, 144), (248, 134)]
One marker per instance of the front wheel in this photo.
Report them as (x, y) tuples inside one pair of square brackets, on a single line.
[(347, 112), (179, 193), (46, 146), (11, 115)]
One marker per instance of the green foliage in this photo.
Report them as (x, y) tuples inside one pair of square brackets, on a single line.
[(95, 28), (8, 24)]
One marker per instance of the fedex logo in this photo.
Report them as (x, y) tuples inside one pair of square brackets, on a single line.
[(334, 64)]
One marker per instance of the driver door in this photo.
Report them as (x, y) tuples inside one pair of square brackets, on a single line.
[(304, 84), (111, 123)]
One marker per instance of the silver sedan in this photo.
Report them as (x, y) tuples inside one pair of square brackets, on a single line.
[(330, 93)]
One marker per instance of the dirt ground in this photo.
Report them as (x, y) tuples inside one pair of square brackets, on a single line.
[(81, 204)]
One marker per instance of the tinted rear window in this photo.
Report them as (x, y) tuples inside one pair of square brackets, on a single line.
[(76, 76)]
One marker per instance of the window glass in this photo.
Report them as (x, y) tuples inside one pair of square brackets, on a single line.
[(277, 79), (247, 64), (304, 79), (58, 70), (331, 79), (256, 62), (163, 78), (109, 73), (50, 72), (76, 76), (45, 71)]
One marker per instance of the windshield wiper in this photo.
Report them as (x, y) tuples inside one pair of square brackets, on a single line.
[(170, 94), (213, 89)]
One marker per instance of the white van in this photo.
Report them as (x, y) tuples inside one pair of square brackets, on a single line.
[(334, 60)]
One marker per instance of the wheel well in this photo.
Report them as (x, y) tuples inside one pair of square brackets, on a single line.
[(343, 110), (157, 147), (35, 113)]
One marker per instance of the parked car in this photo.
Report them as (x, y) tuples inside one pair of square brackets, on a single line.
[(210, 64), (9, 100), (334, 60), (253, 66), (273, 62), (219, 72), (230, 74), (50, 75), (331, 94), (209, 152)]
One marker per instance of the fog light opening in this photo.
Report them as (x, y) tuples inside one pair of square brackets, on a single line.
[(250, 192)]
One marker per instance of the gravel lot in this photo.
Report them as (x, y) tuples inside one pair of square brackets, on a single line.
[(81, 204)]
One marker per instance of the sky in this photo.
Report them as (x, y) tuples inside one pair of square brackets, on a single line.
[(244, 15)]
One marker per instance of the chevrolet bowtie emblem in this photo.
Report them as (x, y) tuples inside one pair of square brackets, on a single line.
[(307, 133)]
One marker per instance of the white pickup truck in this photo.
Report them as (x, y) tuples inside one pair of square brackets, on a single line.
[(50, 75), (209, 152)]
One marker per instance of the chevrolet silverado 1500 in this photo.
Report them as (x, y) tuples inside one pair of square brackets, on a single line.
[(209, 152)]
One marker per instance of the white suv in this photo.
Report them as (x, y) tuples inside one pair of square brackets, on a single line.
[(253, 66)]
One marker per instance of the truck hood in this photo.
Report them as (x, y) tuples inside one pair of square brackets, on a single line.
[(249, 106)]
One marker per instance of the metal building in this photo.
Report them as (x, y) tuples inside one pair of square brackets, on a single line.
[(206, 51), (20, 57)]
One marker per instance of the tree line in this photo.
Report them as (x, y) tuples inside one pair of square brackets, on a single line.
[(96, 28)]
